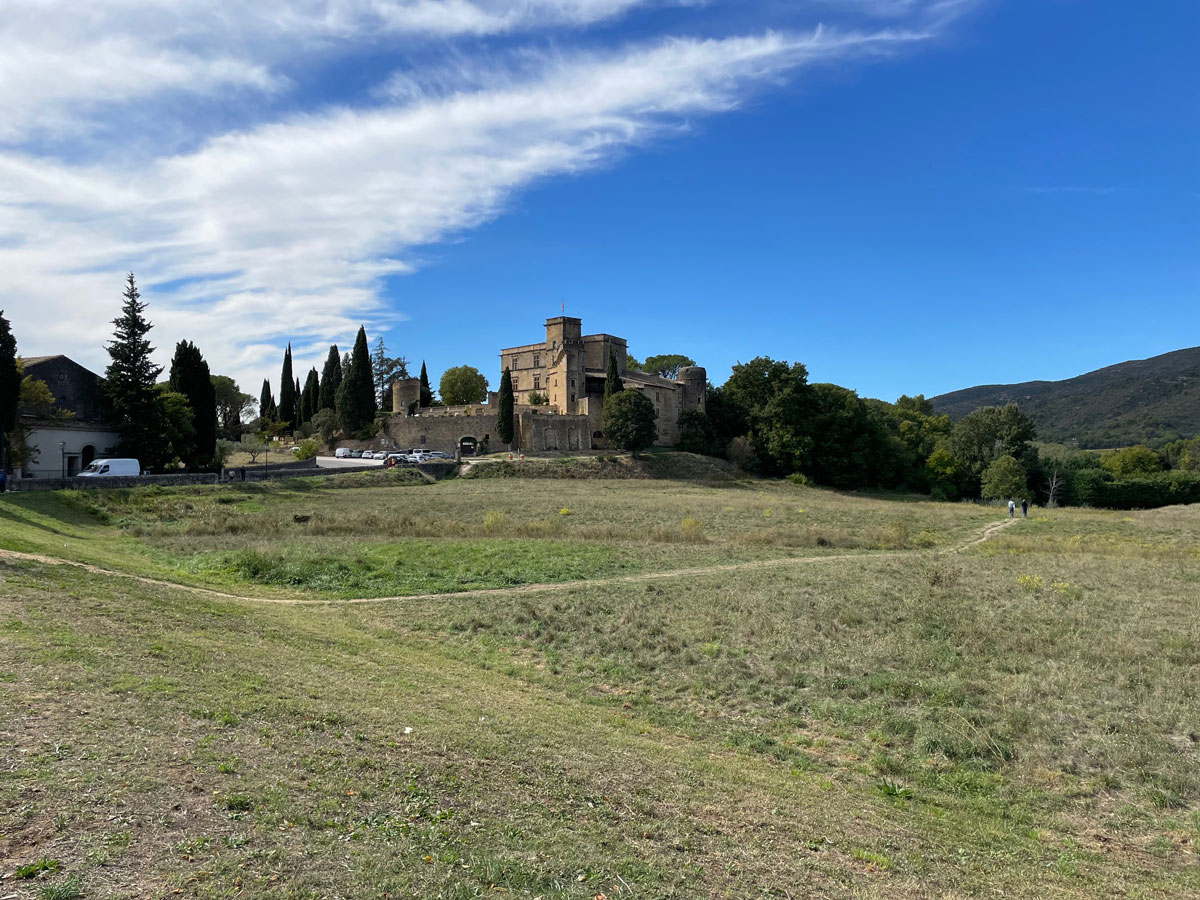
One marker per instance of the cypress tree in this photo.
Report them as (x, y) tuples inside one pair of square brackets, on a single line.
[(356, 395), (612, 378), (331, 378), (426, 393), (310, 397), (266, 403), (287, 391), (190, 376), (129, 380), (504, 426), (10, 387)]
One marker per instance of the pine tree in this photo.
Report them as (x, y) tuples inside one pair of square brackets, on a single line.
[(129, 382), (426, 393), (10, 387), (612, 379), (266, 403), (356, 395), (310, 397), (190, 376), (331, 377), (287, 391), (504, 426)]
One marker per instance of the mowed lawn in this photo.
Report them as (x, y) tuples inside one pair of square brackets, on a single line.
[(879, 717)]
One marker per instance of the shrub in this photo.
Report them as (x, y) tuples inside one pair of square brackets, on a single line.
[(307, 448)]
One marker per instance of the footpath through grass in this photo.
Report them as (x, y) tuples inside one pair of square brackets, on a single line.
[(1019, 720)]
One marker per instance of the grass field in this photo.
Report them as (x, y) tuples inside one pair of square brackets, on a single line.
[(573, 688)]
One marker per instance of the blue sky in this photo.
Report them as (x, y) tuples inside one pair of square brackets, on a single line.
[(906, 195)]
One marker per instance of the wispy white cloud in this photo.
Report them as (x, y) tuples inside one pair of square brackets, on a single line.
[(286, 229)]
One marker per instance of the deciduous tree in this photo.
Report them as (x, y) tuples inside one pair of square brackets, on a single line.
[(628, 421), (461, 385), (1004, 479)]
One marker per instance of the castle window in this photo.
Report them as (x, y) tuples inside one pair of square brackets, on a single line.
[(537, 361), (572, 398), (572, 382), (537, 383)]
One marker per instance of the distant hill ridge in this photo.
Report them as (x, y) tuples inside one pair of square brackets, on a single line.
[(1148, 401)]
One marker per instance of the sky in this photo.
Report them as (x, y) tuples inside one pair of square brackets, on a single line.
[(908, 196)]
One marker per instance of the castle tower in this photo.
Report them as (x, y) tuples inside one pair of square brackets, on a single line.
[(564, 345), (694, 381), (405, 393)]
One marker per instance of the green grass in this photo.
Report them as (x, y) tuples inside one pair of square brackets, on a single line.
[(1016, 720)]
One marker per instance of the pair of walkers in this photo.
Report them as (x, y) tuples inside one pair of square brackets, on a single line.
[(1012, 509)]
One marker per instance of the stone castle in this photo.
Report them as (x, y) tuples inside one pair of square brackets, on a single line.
[(568, 370)]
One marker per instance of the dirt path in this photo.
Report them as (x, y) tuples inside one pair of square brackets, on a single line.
[(988, 532)]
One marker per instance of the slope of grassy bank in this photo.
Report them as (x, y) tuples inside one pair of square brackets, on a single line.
[(1016, 720)]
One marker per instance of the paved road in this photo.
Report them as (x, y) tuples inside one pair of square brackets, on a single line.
[(331, 462)]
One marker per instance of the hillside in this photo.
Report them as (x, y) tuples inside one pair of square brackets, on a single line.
[(1141, 401)]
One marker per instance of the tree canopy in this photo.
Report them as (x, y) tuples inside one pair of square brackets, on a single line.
[(356, 394), (504, 415), (384, 370), (667, 365), (287, 392), (426, 392), (10, 386), (612, 378), (629, 422), (232, 405), (191, 378), (129, 382), (461, 385), (1004, 479), (331, 379)]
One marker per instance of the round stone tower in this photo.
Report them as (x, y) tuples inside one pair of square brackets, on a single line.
[(694, 380)]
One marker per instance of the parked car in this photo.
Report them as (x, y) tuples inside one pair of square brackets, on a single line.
[(418, 457), (378, 454), (342, 453), (440, 454), (111, 468), (356, 454)]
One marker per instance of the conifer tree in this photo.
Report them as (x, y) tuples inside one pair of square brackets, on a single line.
[(426, 393), (129, 380), (191, 378), (287, 391), (504, 425), (356, 395), (612, 378), (266, 403), (331, 378), (10, 387), (310, 396)]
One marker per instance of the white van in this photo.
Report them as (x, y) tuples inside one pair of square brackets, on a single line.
[(342, 453), (109, 468)]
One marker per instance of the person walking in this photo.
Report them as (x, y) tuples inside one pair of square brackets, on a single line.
[(1024, 509), (1012, 509)]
